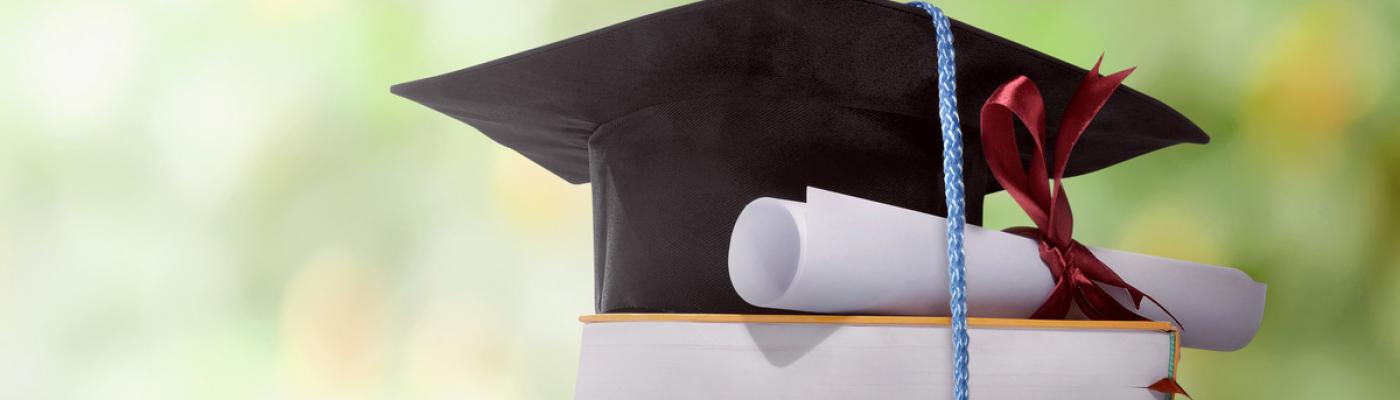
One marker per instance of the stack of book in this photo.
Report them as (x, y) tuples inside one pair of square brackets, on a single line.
[(731, 356)]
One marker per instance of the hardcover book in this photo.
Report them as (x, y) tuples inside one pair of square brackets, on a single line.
[(715, 356)]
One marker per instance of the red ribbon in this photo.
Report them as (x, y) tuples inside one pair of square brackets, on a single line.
[(1077, 273), (1168, 386)]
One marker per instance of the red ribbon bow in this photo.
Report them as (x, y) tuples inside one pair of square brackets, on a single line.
[(1077, 273)]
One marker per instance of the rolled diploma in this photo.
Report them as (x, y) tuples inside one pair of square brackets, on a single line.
[(841, 254)]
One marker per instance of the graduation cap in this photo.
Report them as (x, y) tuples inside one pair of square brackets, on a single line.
[(680, 118)]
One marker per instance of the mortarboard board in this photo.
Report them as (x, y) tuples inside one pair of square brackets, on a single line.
[(680, 118)]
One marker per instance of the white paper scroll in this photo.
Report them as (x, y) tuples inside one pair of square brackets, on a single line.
[(843, 254)]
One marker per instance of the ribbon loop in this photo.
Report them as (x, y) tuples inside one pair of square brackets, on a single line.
[(1019, 98)]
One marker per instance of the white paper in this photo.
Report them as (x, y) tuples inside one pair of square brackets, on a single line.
[(843, 254)]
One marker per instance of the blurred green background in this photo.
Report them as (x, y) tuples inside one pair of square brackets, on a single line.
[(221, 200)]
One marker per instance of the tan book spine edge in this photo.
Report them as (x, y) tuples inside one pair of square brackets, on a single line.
[(879, 320)]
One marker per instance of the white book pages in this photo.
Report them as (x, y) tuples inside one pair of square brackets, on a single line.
[(846, 255), (691, 360)]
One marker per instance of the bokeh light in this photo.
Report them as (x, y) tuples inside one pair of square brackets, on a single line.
[(221, 200)]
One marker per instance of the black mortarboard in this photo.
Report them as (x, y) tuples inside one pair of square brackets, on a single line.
[(682, 117)]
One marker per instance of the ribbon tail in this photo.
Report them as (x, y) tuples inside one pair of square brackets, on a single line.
[(1090, 97), (1096, 270), (1098, 304), (1165, 310), (1056, 305), (1168, 386)]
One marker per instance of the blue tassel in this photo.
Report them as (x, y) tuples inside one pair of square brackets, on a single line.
[(953, 191)]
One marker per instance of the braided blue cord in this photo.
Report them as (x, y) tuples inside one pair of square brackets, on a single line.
[(953, 192)]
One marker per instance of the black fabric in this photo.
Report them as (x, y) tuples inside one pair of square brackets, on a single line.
[(681, 118)]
